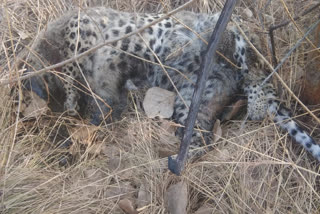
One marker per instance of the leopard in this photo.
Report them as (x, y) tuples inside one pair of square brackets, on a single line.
[(166, 54)]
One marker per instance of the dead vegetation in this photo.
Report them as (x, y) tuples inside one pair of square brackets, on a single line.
[(254, 168)]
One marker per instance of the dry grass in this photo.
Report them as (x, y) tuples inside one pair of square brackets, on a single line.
[(254, 168)]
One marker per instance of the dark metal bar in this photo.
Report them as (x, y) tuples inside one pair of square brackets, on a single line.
[(176, 166)]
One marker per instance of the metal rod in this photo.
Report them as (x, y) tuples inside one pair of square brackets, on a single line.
[(176, 166)]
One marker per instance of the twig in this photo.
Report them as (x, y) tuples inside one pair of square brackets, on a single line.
[(272, 28), (297, 27), (60, 64), (291, 50), (176, 166)]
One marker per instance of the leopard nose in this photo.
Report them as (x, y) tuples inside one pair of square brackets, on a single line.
[(37, 85)]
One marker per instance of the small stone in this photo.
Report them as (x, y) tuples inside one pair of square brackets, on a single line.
[(159, 102), (248, 13)]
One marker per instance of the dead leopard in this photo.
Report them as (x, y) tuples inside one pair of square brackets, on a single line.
[(136, 58)]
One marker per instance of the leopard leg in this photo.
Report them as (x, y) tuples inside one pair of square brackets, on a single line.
[(263, 102), (72, 96), (283, 117), (221, 86)]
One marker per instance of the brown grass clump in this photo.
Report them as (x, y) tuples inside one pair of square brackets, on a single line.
[(253, 168)]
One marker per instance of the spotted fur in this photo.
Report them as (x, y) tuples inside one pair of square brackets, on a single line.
[(132, 61)]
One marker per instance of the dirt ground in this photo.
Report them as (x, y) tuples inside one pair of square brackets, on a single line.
[(122, 168)]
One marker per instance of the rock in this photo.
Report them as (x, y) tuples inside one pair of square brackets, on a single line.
[(159, 102), (176, 198)]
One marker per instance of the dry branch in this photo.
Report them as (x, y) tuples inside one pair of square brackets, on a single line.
[(272, 28)]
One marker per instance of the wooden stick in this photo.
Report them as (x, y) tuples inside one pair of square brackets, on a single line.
[(176, 166)]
